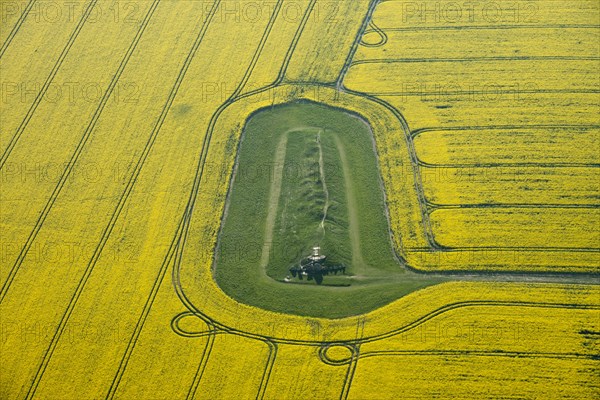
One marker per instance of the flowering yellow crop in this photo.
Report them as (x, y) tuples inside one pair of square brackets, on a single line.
[(501, 103), (120, 124)]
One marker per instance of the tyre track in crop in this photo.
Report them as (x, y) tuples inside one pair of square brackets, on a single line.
[(486, 27), (75, 156), (16, 27), (264, 382), (412, 325), (73, 302), (175, 251), (474, 353), (383, 38), (431, 206), (339, 86), (202, 364), (211, 333), (187, 334), (510, 165), (468, 92), (460, 353), (178, 237), (470, 59), (504, 248), (418, 132), (469, 304), (352, 363), (425, 205), (525, 250), (47, 83), (474, 304), (129, 188), (435, 206), (357, 40), (168, 259)]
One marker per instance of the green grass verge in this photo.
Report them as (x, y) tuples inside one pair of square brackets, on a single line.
[(307, 174)]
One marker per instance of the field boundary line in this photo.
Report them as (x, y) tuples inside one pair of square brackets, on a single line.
[(38, 99)]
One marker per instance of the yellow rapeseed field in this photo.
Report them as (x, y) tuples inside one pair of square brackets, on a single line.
[(119, 128), (501, 106)]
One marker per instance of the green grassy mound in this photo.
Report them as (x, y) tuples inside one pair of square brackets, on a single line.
[(307, 175)]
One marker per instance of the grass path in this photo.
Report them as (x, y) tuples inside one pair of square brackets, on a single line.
[(358, 263), (274, 194), (324, 184)]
